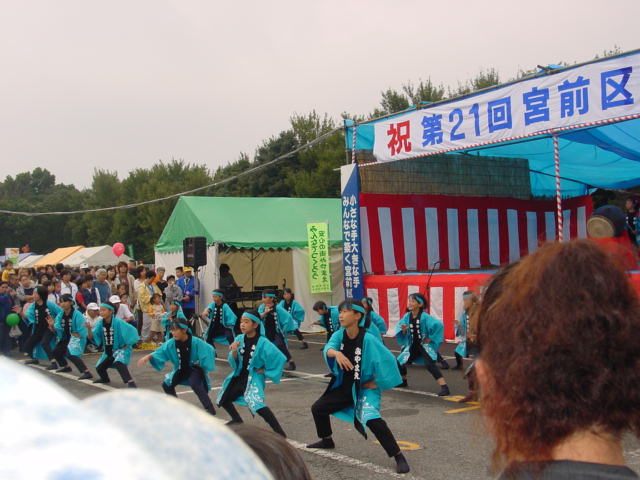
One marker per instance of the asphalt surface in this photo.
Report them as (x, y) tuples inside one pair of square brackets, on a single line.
[(441, 439)]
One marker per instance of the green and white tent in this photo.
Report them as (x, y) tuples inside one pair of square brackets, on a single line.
[(263, 240)]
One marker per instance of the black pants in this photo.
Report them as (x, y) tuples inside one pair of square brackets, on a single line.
[(458, 359), (60, 353), (189, 312), (121, 367), (279, 342), (6, 342), (329, 335), (417, 352), (197, 384), (235, 389), (339, 398), (42, 336), (298, 334)]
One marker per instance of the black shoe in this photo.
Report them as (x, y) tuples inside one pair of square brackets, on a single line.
[(444, 365), (33, 361), (101, 380), (323, 443), (65, 369), (131, 385), (404, 384), (291, 367), (234, 421), (401, 464), (53, 366), (444, 391), (85, 376), (328, 375), (304, 345), (211, 411)]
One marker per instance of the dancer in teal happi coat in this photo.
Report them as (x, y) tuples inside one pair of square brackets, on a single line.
[(174, 314), (40, 317), (373, 321), (221, 320), (71, 329), (118, 338), (420, 336), (296, 311), (329, 318), (253, 359), (276, 322), (362, 368), (469, 301), (192, 360)]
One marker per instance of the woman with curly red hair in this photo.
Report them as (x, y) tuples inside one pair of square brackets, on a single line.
[(559, 367)]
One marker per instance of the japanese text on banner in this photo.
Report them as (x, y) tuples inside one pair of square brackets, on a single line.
[(319, 266)]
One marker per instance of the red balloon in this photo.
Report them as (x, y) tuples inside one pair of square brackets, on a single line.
[(118, 249)]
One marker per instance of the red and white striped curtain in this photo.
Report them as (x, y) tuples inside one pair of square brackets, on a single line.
[(403, 233)]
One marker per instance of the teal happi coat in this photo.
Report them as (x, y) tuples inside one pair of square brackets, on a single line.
[(295, 310), (166, 322), (228, 320), (378, 322), (125, 336), (202, 355), (377, 364), (267, 357), (284, 324), (461, 331), (334, 314), (54, 310), (76, 344), (430, 328)]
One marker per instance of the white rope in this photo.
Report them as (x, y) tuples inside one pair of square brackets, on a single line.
[(155, 200)]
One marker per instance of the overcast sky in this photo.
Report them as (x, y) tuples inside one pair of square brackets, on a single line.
[(123, 84)]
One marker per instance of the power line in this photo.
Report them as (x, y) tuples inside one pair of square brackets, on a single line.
[(214, 184)]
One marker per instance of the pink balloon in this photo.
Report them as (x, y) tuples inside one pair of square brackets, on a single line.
[(118, 249)]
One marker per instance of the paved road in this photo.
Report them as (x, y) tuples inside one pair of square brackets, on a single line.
[(443, 439)]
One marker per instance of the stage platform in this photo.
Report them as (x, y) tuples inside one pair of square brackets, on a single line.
[(390, 292)]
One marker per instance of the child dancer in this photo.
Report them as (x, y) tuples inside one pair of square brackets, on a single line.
[(362, 367), (221, 320), (71, 328), (174, 314), (192, 360), (252, 358), (39, 317), (329, 318), (373, 318), (275, 322), (296, 311), (420, 335), (469, 301), (118, 338)]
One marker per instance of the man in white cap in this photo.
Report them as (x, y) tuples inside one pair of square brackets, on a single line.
[(123, 311), (92, 314)]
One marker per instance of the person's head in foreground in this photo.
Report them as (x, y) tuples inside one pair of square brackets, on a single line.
[(559, 367)]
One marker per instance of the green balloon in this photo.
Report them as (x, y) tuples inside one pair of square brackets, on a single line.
[(13, 319)]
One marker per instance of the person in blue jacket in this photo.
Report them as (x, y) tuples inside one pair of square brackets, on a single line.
[(174, 314), (296, 311), (329, 318), (71, 329), (40, 317), (118, 338), (372, 318), (221, 320), (252, 358), (469, 302), (362, 368), (276, 321), (192, 360), (190, 288), (420, 336)]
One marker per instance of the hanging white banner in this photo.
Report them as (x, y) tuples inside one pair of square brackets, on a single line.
[(590, 93)]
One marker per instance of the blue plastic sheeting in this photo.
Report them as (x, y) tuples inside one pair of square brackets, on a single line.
[(606, 156)]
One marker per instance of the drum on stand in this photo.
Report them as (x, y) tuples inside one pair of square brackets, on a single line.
[(608, 221)]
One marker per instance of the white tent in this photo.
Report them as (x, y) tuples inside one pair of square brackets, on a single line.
[(29, 261), (94, 257)]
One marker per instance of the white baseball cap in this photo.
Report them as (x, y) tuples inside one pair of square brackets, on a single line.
[(114, 299), (93, 306)]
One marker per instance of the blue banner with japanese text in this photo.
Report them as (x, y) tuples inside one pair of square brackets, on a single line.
[(351, 244), (605, 90)]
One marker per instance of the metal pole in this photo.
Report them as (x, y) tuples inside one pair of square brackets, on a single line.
[(556, 158), (353, 143)]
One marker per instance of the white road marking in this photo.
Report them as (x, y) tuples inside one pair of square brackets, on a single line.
[(350, 460)]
